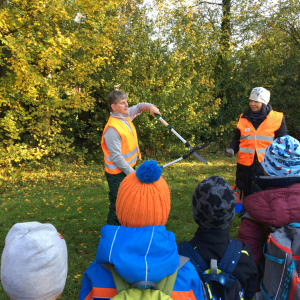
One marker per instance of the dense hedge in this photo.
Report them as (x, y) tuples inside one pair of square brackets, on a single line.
[(198, 64)]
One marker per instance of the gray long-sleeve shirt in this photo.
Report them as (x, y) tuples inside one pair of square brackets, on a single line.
[(113, 140)]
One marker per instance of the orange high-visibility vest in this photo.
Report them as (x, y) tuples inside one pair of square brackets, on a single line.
[(257, 140), (130, 149)]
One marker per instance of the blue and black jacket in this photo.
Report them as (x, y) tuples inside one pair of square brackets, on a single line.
[(138, 254)]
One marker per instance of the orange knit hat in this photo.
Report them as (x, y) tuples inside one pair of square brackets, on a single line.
[(144, 197)]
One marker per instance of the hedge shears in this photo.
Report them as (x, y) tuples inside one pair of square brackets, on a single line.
[(192, 150)]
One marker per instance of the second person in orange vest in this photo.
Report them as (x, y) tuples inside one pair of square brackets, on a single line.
[(120, 144), (257, 127)]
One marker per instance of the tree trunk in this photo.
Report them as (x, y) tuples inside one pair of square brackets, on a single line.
[(222, 69)]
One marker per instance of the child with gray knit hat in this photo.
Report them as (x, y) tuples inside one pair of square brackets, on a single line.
[(213, 203), (34, 262)]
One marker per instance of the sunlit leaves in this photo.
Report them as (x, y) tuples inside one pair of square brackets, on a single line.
[(44, 55)]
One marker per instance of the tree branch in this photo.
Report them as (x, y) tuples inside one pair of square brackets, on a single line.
[(205, 2)]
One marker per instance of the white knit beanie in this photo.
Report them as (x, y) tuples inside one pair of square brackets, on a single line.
[(260, 94), (34, 262)]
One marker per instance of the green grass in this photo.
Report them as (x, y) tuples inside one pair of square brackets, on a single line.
[(74, 198)]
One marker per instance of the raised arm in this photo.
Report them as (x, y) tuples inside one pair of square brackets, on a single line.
[(135, 110)]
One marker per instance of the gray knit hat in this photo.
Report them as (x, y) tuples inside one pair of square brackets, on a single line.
[(213, 203), (34, 262)]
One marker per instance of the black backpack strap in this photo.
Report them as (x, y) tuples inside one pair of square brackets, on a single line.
[(231, 256), (186, 249), (145, 283)]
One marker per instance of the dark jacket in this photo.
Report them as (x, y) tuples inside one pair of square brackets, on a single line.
[(212, 243), (245, 174)]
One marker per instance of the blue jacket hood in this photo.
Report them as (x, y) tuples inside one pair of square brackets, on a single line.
[(139, 254)]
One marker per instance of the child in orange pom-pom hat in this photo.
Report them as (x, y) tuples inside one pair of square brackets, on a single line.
[(144, 197)]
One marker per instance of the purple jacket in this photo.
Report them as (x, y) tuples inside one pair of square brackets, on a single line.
[(276, 206)]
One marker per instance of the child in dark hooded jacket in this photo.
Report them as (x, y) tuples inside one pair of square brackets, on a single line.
[(214, 209)]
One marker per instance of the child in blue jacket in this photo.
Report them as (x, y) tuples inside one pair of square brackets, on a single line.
[(141, 249)]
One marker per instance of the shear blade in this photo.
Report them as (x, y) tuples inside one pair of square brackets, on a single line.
[(199, 157)]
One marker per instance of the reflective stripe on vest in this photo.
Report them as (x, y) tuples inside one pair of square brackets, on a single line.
[(125, 155), (263, 150), (258, 137), (112, 166), (247, 150), (257, 140), (130, 149)]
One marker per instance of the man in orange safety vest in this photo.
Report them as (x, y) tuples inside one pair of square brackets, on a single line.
[(120, 144)]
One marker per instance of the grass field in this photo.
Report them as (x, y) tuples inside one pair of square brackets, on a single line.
[(74, 198)]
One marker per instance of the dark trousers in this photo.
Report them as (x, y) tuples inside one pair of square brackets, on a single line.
[(114, 182)]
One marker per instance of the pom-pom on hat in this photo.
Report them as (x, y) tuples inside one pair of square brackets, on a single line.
[(282, 157), (260, 94), (213, 203), (143, 197)]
